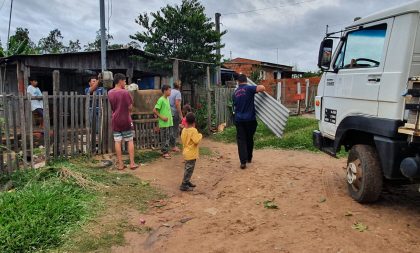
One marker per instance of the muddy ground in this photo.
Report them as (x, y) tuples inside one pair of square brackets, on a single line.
[(226, 212)]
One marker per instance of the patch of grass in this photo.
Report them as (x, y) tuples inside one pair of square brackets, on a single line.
[(111, 235), (205, 151), (40, 212), (47, 206), (297, 136), (147, 156)]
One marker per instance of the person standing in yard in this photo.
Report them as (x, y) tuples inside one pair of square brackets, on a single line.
[(94, 89), (175, 101), (36, 105), (245, 118), (190, 139), (163, 111), (122, 126)]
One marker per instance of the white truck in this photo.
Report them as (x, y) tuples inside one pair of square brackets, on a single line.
[(368, 100)]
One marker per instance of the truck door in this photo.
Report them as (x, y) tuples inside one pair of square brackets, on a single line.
[(353, 87)]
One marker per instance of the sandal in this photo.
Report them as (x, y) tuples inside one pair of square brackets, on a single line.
[(123, 168), (134, 167), (166, 156)]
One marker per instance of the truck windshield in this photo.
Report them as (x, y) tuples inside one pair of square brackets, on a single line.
[(362, 48)]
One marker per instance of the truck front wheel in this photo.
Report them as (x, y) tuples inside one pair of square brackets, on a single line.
[(364, 175)]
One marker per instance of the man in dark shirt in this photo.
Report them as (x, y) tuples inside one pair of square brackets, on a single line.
[(122, 126), (245, 118)]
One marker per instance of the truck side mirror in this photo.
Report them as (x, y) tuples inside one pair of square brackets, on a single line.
[(325, 54)]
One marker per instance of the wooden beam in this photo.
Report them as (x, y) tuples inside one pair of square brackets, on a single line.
[(56, 81), (20, 78), (175, 70), (208, 101)]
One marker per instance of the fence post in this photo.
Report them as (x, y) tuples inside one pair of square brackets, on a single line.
[(7, 131), (46, 123), (307, 94), (30, 129), (208, 101), (299, 91), (23, 128), (278, 97)]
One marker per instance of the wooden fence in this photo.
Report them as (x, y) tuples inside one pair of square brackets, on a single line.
[(223, 104), (72, 124)]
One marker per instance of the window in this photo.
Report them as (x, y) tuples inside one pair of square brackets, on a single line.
[(262, 74), (362, 48)]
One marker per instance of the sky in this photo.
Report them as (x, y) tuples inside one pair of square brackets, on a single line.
[(281, 31)]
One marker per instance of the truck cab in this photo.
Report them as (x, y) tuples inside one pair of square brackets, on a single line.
[(368, 99)]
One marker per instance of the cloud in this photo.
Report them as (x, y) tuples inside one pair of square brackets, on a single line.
[(295, 30)]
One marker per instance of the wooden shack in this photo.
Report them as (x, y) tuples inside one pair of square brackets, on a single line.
[(75, 69)]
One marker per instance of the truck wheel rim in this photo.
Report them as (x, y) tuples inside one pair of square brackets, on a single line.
[(354, 174)]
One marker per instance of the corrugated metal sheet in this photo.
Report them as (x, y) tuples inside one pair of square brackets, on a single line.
[(271, 112)]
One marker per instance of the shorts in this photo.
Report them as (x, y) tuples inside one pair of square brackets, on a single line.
[(125, 135)]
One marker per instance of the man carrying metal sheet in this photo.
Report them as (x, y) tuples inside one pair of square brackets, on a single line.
[(245, 118)]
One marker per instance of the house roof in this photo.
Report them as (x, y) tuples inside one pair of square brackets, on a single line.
[(130, 50), (256, 62), (413, 7)]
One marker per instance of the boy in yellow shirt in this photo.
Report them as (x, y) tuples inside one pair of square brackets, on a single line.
[(190, 138)]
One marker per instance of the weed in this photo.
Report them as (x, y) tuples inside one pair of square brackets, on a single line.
[(147, 156), (205, 151)]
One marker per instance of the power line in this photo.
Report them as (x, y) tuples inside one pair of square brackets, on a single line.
[(268, 8)]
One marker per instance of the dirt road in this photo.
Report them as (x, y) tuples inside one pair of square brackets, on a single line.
[(226, 212)]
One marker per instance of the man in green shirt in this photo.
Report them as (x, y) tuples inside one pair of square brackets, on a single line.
[(163, 111)]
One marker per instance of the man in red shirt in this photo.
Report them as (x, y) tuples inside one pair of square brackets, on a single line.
[(122, 126)]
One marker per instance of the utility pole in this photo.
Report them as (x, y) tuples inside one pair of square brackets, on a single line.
[(103, 39), (218, 73), (230, 55), (277, 55), (10, 21)]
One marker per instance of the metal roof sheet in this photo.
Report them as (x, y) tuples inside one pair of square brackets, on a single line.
[(271, 112)]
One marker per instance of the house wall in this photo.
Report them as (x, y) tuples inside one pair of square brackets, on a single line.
[(289, 88)]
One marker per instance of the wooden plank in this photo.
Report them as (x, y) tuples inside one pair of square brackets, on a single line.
[(66, 123), (15, 113), (76, 123), (83, 123), (93, 118), (55, 126), (105, 125), (30, 129), (61, 124), (46, 123), (99, 126), (110, 134), (72, 130), (23, 129), (88, 128), (2, 169), (6, 102), (56, 82)]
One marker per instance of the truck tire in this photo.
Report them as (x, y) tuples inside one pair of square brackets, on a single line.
[(364, 174)]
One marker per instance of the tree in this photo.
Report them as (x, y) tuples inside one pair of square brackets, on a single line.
[(74, 46), (312, 74), (183, 32), (96, 45), (52, 43), (19, 43)]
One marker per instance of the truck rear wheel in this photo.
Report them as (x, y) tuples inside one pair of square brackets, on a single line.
[(364, 175)]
